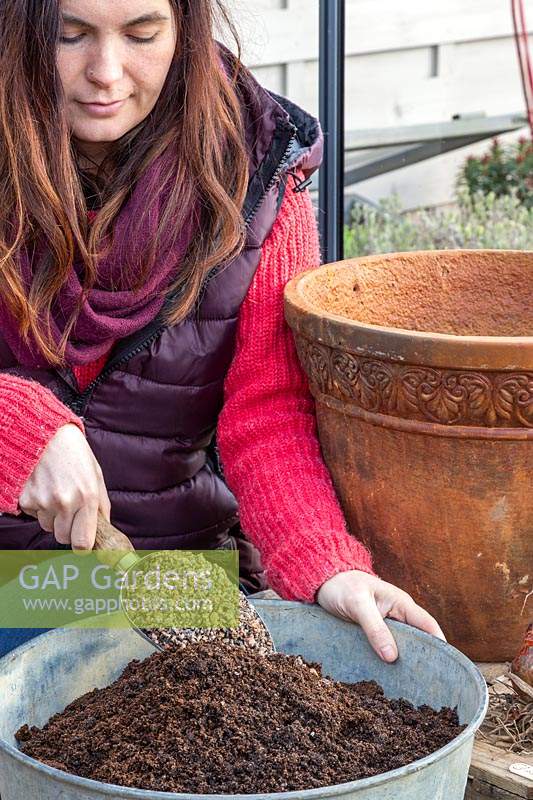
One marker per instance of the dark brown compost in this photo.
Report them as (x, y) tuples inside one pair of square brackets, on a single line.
[(218, 719)]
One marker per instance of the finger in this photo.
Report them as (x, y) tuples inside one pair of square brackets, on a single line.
[(63, 526), (25, 501), (105, 507), (83, 533), (31, 512), (367, 614), (46, 520), (105, 503), (418, 617)]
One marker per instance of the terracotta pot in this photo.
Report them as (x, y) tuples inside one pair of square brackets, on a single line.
[(421, 365)]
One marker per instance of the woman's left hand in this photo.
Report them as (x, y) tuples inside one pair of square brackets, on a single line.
[(366, 599)]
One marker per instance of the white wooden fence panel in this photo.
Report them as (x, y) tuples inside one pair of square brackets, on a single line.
[(408, 62), (394, 88), (267, 5), (274, 77), (291, 34)]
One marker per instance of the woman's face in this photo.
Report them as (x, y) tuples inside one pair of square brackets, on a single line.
[(113, 60)]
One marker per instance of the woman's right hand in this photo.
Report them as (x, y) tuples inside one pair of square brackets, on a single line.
[(66, 490)]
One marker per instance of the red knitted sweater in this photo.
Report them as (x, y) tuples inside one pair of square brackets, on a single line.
[(267, 433)]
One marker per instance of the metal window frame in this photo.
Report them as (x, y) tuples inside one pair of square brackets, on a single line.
[(332, 27), (406, 145)]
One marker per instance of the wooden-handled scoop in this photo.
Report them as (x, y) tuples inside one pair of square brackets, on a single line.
[(114, 549)]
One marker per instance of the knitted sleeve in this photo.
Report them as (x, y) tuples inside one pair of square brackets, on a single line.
[(30, 415), (267, 434)]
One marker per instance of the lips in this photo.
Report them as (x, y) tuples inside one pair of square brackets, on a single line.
[(98, 103), (96, 109)]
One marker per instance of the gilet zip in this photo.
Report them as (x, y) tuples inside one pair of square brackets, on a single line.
[(287, 138)]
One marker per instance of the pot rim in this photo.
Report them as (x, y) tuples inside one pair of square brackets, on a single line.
[(489, 353)]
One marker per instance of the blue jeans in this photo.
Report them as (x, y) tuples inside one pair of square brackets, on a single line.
[(14, 637)]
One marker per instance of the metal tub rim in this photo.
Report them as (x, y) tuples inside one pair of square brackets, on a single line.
[(335, 790)]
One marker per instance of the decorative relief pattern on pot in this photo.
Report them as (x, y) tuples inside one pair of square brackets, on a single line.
[(448, 397)]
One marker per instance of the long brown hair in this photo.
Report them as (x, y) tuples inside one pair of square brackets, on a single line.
[(41, 194)]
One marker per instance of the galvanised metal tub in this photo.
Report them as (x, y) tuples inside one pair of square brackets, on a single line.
[(43, 676)]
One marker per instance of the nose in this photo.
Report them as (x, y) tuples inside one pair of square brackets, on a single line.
[(105, 66)]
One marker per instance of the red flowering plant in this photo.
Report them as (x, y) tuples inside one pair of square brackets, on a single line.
[(504, 169)]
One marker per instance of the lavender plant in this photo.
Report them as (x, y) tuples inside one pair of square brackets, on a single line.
[(475, 221)]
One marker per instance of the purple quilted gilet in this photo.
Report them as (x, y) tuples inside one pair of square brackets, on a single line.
[(151, 415)]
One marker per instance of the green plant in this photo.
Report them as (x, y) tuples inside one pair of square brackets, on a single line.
[(475, 221), (502, 170)]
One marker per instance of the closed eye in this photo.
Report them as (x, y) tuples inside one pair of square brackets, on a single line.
[(71, 39), (142, 39), (136, 39)]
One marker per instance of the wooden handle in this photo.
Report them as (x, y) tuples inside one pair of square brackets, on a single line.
[(110, 538), (111, 544)]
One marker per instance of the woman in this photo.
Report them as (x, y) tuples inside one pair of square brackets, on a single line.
[(154, 208)]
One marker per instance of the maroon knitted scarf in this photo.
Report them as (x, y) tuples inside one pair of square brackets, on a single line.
[(108, 314)]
